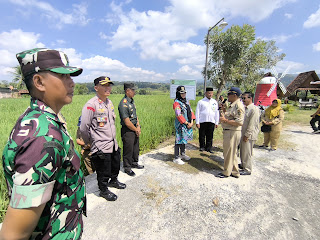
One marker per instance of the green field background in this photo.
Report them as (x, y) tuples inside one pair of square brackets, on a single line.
[(155, 114), (156, 118)]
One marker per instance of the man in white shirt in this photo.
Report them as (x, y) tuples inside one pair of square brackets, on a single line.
[(207, 119)]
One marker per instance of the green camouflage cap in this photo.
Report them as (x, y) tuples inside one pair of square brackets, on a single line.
[(44, 59)]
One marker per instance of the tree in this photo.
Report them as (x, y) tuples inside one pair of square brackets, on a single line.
[(17, 77), (80, 89), (237, 58)]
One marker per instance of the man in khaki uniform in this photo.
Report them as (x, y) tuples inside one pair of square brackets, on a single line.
[(231, 122), (249, 133)]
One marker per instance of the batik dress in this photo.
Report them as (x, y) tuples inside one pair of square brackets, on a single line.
[(183, 134)]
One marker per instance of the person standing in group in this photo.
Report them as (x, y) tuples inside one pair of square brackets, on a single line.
[(249, 132), (273, 116), (183, 125), (207, 119), (85, 150), (231, 122), (315, 118), (42, 169), (98, 129), (130, 130)]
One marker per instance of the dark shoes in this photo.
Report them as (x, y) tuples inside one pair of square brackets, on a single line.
[(209, 150), (245, 173), (201, 149), (240, 166), (116, 184), (221, 175), (263, 146), (138, 166), (109, 196), (130, 173)]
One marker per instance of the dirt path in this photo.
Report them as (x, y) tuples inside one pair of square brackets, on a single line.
[(280, 200)]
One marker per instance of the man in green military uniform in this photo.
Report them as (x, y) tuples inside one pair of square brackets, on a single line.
[(42, 169), (130, 131), (231, 122)]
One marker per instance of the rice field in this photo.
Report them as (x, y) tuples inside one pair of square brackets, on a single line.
[(154, 112), (155, 115)]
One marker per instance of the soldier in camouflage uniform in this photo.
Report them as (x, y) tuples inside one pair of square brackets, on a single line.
[(42, 169)]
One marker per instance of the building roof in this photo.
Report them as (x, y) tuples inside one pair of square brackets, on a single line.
[(302, 82)]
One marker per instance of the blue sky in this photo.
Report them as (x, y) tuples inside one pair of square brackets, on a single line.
[(154, 40)]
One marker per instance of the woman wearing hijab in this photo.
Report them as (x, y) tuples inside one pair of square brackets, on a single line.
[(273, 116), (183, 125)]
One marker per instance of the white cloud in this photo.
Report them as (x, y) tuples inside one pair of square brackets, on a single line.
[(295, 67), (164, 34), (78, 15), (316, 47), (118, 71), (313, 20), (279, 38), (254, 10), (190, 72), (288, 15), (13, 42)]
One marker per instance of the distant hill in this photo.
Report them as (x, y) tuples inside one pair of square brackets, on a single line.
[(287, 79)]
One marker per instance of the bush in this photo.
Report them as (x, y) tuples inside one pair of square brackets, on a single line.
[(288, 108)]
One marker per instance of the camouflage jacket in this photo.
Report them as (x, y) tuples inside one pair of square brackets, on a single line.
[(41, 166)]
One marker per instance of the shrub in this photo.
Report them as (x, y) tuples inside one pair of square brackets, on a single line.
[(288, 108)]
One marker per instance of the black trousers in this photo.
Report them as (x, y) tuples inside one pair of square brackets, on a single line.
[(130, 148), (107, 166), (313, 123), (206, 135)]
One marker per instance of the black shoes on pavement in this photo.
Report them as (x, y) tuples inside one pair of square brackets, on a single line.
[(109, 196), (245, 173), (138, 166), (221, 175), (130, 173), (207, 150), (116, 184)]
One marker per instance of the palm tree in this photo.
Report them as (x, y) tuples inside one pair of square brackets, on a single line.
[(17, 76)]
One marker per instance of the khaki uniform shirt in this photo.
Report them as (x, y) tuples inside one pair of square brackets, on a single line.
[(277, 121), (234, 112), (98, 125), (251, 123)]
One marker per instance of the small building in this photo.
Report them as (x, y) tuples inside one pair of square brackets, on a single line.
[(10, 92), (307, 81)]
